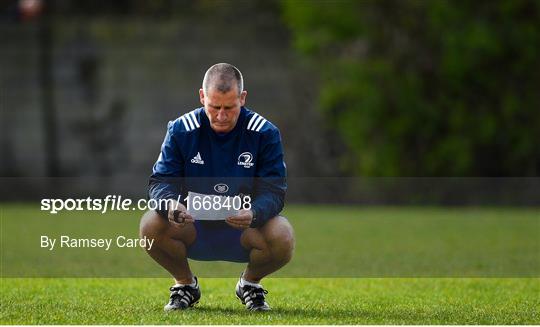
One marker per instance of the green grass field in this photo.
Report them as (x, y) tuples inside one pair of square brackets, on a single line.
[(294, 301), (327, 282)]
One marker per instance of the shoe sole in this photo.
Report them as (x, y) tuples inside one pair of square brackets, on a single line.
[(180, 309)]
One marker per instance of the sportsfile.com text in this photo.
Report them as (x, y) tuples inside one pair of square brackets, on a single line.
[(109, 203)]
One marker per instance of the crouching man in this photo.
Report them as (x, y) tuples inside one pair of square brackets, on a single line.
[(220, 150)]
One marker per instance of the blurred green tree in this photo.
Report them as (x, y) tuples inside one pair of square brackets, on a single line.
[(427, 88)]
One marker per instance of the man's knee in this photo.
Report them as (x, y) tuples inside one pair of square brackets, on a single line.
[(279, 236), (152, 226), (155, 227)]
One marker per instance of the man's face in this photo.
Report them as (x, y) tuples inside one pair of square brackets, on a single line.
[(222, 109)]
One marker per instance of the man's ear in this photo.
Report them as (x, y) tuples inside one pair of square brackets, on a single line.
[(243, 96), (201, 96)]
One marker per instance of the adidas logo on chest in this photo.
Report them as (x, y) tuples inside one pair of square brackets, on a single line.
[(197, 159)]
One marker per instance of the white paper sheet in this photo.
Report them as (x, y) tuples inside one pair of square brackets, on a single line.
[(219, 209)]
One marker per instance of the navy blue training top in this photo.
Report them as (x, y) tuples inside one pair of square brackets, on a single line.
[(245, 161)]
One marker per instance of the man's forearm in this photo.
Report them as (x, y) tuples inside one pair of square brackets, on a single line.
[(161, 188), (266, 206)]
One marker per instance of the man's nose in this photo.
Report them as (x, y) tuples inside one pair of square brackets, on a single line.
[(221, 114)]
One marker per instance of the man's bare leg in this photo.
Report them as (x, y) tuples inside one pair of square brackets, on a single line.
[(170, 245), (271, 247)]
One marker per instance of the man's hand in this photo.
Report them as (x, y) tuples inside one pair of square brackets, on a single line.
[(242, 220), (178, 215)]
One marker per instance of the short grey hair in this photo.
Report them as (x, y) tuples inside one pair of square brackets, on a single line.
[(222, 77)]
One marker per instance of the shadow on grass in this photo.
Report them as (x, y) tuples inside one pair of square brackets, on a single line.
[(303, 313), (343, 316), (216, 310)]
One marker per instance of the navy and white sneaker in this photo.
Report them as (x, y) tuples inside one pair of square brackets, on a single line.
[(183, 296), (252, 296)]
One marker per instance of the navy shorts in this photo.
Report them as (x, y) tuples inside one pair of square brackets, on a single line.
[(217, 241)]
